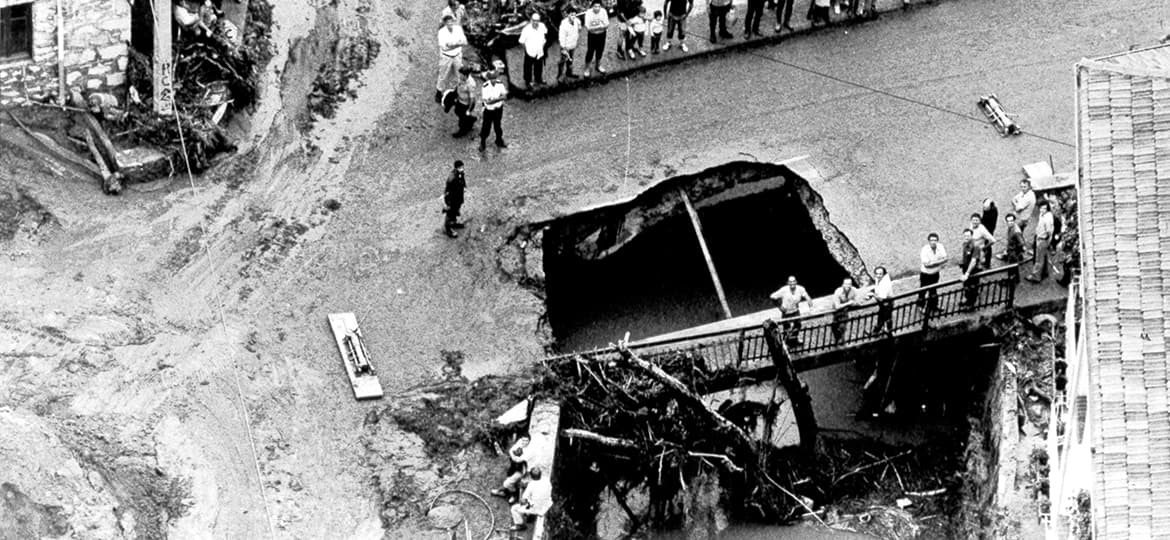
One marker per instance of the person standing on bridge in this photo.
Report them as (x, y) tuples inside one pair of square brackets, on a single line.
[(971, 265), (844, 297), (983, 239), (1024, 204), (932, 258), (1045, 228), (883, 290), (1013, 253), (788, 299)]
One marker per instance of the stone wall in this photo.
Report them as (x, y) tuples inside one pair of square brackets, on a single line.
[(97, 33)]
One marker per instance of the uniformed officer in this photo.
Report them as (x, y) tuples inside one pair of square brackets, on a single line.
[(493, 95), (453, 200)]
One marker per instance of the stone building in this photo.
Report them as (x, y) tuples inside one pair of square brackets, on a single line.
[(94, 47)]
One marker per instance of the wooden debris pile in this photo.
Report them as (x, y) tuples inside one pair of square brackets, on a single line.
[(634, 423)]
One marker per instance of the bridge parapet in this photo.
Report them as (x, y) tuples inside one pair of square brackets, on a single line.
[(743, 349)]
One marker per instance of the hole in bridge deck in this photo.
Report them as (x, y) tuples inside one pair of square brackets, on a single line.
[(658, 282)]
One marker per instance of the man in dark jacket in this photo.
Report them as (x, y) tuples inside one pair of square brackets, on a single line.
[(453, 200), (972, 257)]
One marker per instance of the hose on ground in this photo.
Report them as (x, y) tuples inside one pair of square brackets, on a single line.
[(492, 515)]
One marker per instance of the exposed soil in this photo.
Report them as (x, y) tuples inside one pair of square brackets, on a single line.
[(152, 379)]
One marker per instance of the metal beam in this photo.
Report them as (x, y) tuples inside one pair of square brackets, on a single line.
[(706, 253)]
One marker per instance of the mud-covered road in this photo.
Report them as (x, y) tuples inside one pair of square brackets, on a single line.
[(168, 349)]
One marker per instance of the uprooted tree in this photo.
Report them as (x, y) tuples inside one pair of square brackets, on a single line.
[(633, 422)]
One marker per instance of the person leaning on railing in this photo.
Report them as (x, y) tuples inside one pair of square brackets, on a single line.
[(844, 298), (788, 299)]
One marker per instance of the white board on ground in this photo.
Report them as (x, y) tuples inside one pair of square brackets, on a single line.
[(365, 385)]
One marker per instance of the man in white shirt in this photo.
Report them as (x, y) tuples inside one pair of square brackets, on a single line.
[(536, 500), (1045, 227), (493, 95), (932, 257), (451, 42), (788, 299), (882, 291), (596, 26), (567, 37), (532, 38), (983, 238), (1023, 204), (844, 297)]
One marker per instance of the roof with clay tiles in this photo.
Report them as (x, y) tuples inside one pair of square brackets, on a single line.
[(1123, 115)]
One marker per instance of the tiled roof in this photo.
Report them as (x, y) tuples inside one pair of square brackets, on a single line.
[(1123, 109)]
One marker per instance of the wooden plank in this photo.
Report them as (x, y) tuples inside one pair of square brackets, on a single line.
[(49, 146), (365, 385), (543, 429), (104, 144), (706, 253)]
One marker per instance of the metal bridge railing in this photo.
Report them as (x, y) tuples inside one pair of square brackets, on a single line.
[(818, 333)]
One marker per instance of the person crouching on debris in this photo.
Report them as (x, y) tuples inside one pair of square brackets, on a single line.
[(453, 200), (517, 470), (535, 501)]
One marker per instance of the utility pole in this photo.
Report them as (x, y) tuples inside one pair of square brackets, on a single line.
[(706, 254), (161, 60)]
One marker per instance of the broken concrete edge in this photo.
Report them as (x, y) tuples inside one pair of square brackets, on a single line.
[(586, 82), (519, 256)]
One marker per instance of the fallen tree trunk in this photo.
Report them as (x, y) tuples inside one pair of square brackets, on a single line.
[(806, 422), (740, 439)]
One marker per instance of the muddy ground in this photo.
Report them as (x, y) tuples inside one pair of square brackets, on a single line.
[(165, 366)]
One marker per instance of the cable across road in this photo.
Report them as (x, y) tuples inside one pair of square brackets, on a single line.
[(887, 93)]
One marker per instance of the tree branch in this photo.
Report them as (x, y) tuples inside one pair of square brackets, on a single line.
[(741, 439)]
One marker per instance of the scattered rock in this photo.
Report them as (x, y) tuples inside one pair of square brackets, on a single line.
[(445, 517)]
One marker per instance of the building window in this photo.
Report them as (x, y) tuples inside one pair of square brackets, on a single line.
[(16, 32)]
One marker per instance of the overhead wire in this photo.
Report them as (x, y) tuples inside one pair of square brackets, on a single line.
[(223, 326), (899, 97)]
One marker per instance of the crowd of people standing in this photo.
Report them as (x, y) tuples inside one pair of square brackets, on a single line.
[(976, 255), (472, 90)]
